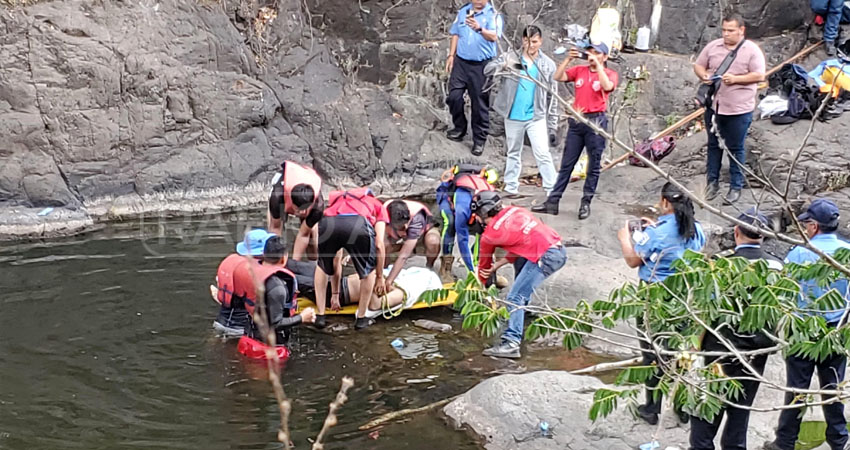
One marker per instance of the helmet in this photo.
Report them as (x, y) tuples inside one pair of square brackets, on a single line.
[(491, 176), (485, 202)]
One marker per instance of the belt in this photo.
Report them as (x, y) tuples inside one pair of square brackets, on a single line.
[(594, 114), (475, 63)]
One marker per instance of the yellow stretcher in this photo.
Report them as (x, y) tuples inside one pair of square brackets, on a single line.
[(352, 308)]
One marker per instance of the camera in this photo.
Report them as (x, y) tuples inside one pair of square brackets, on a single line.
[(635, 225)]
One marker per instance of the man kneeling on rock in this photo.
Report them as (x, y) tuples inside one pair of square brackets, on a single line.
[(535, 250)]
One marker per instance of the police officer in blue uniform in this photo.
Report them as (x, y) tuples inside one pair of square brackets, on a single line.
[(747, 245), (475, 34), (652, 249), (821, 221)]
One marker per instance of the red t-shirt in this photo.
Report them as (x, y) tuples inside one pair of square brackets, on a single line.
[(519, 233), (590, 98)]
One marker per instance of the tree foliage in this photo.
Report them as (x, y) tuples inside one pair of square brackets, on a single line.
[(724, 297)]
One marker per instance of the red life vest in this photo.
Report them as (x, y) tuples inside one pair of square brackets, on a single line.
[(293, 175), (225, 277), (412, 206), (245, 275), (358, 201), (255, 349), (472, 182)]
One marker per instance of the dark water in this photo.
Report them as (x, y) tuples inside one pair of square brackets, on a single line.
[(105, 342)]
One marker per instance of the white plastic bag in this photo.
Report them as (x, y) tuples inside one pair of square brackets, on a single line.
[(772, 105)]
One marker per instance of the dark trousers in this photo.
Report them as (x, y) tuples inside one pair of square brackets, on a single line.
[(737, 419), (798, 374), (468, 76), (580, 137), (733, 131)]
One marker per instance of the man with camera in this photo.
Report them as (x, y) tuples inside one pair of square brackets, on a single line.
[(731, 68), (594, 83), (475, 34)]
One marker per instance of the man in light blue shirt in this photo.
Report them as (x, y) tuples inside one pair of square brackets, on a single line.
[(821, 222), (527, 109), (475, 35)]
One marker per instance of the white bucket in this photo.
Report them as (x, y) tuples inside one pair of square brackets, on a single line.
[(642, 40)]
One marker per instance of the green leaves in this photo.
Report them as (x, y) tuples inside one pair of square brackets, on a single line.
[(728, 294)]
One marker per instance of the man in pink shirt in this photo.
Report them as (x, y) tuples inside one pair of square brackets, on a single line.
[(733, 103)]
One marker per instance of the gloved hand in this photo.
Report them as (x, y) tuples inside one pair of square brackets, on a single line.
[(553, 140)]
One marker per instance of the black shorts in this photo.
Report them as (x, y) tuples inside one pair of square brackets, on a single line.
[(344, 293), (354, 234)]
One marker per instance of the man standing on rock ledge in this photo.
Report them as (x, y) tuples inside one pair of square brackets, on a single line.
[(732, 105), (594, 83), (475, 33)]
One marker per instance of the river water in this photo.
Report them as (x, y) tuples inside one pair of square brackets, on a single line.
[(106, 342)]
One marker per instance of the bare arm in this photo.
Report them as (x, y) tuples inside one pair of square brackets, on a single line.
[(380, 236), (405, 252), (450, 62), (490, 35), (302, 240), (701, 72), (274, 225), (561, 71), (629, 254)]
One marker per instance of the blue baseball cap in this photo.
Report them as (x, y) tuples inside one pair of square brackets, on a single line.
[(254, 242), (753, 217), (822, 211), (600, 47)]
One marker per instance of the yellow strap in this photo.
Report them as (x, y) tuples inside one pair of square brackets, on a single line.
[(385, 309)]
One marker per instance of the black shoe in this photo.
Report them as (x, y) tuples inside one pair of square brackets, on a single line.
[(320, 322), (711, 191), (506, 349), (362, 322), (545, 208), (830, 48), (648, 417), (683, 417), (456, 134), (477, 149), (732, 196), (584, 211)]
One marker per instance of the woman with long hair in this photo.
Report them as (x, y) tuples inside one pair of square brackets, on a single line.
[(652, 248)]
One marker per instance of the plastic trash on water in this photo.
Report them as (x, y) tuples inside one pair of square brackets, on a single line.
[(544, 429), (397, 343), (650, 446)]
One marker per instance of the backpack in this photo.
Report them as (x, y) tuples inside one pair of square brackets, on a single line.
[(792, 82), (654, 150)]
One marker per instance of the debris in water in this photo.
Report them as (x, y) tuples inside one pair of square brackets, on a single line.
[(45, 211), (397, 343), (432, 325), (375, 434)]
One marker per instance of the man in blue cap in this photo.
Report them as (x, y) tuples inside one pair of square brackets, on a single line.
[(820, 221), (233, 317), (747, 245), (594, 83)]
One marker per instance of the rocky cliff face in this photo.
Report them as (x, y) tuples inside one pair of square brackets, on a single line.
[(132, 98)]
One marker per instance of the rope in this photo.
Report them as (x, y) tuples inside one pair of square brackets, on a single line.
[(387, 311)]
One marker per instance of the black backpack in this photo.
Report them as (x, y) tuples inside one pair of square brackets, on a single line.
[(792, 82)]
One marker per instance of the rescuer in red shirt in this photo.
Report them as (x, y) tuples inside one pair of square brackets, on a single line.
[(534, 249)]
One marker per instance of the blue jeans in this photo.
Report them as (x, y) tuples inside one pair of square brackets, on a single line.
[(528, 277), (733, 130), (834, 13), (798, 374)]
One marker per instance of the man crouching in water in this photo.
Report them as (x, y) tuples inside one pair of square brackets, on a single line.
[(280, 288)]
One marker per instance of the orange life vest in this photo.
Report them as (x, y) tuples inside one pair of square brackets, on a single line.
[(412, 206), (358, 201), (293, 175), (238, 279), (472, 182)]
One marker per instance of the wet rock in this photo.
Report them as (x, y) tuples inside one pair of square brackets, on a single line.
[(433, 326)]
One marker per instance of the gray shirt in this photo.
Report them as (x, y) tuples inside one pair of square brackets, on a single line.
[(545, 105)]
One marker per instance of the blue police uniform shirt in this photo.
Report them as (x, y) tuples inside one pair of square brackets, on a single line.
[(829, 244), (523, 107), (660, 245), (471, 45)]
